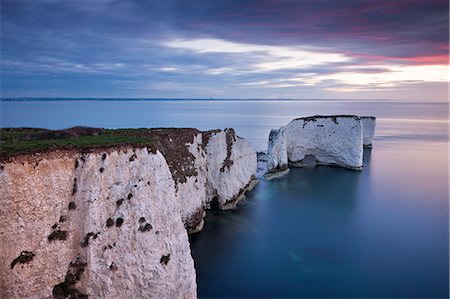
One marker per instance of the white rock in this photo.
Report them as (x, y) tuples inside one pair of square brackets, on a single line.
[(332, 140), (225, 167), (277, 149), (231, 168), (192, 194), (368, 123), (120, 261)]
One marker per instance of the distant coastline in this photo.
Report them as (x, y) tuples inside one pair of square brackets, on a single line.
[(101, 99)]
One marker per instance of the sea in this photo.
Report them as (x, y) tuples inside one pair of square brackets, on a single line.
[(319, 232)]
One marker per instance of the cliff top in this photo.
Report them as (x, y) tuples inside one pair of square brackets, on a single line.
[(25, 141), (314, 117), (171, 142), (20, 141)]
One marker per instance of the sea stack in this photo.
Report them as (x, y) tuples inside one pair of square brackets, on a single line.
[(113, 221), (335, 140), (368, 123)]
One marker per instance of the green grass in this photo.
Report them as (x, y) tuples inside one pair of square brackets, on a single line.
[(29, 140)]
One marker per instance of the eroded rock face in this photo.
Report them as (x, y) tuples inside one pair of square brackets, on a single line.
[(331, 140), (277, 147), (101, 222), (225, 168), (114, 223), (231, 168), (368, 123)]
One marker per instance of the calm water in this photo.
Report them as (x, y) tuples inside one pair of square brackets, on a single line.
[(319, 232)]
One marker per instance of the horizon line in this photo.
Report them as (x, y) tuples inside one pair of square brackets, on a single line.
[(12, 99)]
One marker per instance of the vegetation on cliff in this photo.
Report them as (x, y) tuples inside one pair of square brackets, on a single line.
[(171, 142), (17, 141)]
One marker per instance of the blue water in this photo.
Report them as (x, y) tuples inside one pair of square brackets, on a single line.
[(318, 232)]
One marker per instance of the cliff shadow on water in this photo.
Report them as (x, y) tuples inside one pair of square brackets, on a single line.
[(286, 235)]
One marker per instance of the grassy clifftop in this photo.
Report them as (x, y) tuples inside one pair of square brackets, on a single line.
[(171, 142), (18, 141)]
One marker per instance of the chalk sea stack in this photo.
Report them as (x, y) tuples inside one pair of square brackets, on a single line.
[(335, 140), (369, 124)]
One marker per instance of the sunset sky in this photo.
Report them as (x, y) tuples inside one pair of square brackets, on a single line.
[(225, 49)]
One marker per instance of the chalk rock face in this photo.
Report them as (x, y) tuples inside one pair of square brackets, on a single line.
[(108, 228), (332, 140), (277, 147), (191, 194), (224, 167), (368, 123), (113, 223), (231, 168)]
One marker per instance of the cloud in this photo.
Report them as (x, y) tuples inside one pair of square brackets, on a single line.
[(270, 58), (166, 69), (344, 80), (220, 71)]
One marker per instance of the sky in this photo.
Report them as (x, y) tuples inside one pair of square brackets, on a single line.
[(274, 49)]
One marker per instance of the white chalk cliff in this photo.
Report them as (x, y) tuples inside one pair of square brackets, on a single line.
[(331, 140), (113, 222)]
